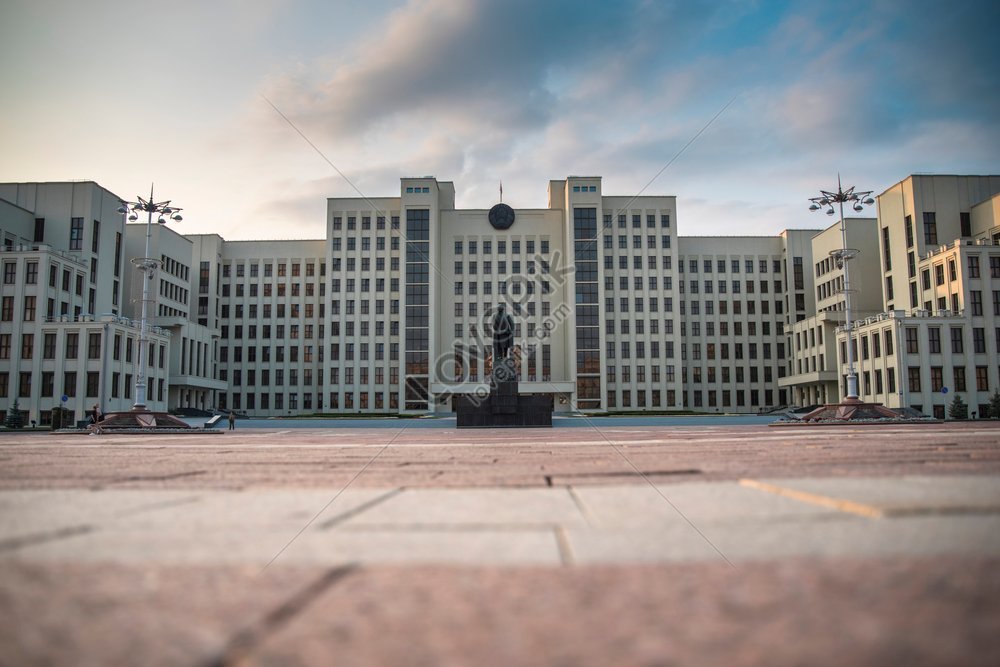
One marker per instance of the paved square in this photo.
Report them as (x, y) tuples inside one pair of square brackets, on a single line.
[(592, 546)]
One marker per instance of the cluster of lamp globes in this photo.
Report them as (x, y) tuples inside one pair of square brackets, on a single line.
[(868, 201), (166, 211)]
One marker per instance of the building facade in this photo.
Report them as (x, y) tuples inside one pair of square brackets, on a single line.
[(938, 332), (391, 312), (67, 338)]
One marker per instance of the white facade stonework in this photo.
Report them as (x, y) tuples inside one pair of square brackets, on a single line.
[(391, 311)]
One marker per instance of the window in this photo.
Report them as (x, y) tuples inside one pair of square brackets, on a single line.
[(76, 234), (959, 378), (930, 228), (72, 345), (937, 378), (976, 301), (979, 340), (934, 340), (885, 249), (94, 346), (982, 378)]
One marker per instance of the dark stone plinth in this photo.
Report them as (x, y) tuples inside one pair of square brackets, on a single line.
[(853, 410), (139, 420), (504, 406)]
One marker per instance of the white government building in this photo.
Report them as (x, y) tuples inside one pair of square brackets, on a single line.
[(390, 312)]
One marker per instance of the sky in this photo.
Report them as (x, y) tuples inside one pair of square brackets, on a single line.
[(778, 97)]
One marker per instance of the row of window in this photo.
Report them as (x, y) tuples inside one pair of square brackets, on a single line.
[(472, 246), (624, 398), (734, 266), (292, 401), (957, 338), (749, 286), (351, 264), (366, 244), (366, 222), (515, 267), (31, 276), (293, 331), (609, 263), (665, 242), (174, 268), (91, 389), (515, 286), (254, 268), (711, 350), (283, 289), (71, 347), (637, 220), (937, 383), (267, 310)]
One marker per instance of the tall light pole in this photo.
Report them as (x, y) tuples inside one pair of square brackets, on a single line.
[(843, 257), (147, 266)]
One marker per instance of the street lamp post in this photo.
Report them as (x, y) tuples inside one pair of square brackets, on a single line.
[(147, 266), (843, 257)]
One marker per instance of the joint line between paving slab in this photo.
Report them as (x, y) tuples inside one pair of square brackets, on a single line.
[(562, 542), (335, 496), (363, 507), (840, 504), (245, 641), (580, 505), (14, 543), (658, 491)]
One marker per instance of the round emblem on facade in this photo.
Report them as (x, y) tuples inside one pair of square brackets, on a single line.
[(501, 216)]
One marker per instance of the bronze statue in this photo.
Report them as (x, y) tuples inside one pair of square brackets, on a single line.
[(503, 334)]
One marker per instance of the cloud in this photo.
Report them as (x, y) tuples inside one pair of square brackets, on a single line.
[(478, 90)]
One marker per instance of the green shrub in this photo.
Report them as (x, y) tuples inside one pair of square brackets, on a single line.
[(958, 409)]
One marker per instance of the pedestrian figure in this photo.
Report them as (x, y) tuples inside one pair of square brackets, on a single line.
[(98, 415), (232, 421)]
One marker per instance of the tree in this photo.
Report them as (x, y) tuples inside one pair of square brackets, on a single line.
[(995, 404), (14, 417), (958, 408)]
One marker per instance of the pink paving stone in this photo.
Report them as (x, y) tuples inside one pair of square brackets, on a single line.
[(786, 612), (933, 611), (517, 457)]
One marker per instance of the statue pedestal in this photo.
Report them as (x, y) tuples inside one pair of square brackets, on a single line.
[(504, 406)]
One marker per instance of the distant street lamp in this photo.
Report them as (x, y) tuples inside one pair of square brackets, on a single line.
[(147, 266), (842, 258)]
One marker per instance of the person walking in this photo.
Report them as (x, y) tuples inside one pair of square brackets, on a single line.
[(232, 421), (98, 415)]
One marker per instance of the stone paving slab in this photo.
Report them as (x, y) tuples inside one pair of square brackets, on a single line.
[(438, 458), (912, 611), (787, 613), (35, 511), (503, 548), (639, 506), (528, 526), (893, 497), (515, 546), (474, 507), (96, 615), (837, 537)]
